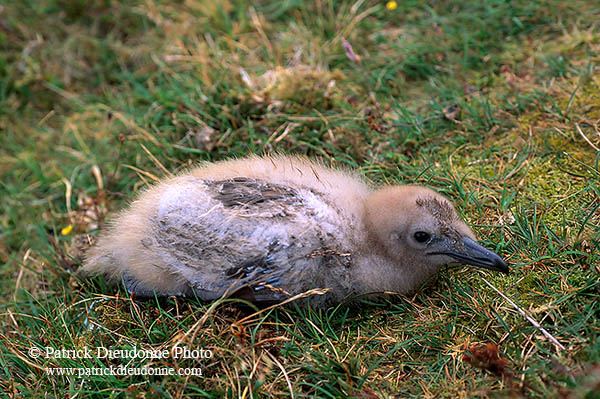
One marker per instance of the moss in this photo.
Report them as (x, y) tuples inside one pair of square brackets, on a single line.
[(559, 162), (529, 286), (303, 87), (548, 185)]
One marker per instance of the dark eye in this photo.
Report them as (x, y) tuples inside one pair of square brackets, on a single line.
[(421, 236)]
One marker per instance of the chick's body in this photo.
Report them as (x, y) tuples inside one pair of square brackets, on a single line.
[(266, 228)]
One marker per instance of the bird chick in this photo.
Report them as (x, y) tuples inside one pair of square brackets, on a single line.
[(267, 228)]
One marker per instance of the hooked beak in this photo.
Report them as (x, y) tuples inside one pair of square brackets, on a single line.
[(474, 254)]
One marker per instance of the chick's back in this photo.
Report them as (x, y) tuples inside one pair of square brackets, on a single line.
[(267, 227)]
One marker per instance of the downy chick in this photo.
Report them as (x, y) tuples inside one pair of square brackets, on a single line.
[(267, 228)]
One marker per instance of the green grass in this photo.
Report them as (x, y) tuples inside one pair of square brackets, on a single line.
[(487, 102)]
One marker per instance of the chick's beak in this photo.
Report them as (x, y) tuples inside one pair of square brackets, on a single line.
[(471, 253)]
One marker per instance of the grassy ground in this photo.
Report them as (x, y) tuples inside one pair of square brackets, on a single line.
[(494, 103)]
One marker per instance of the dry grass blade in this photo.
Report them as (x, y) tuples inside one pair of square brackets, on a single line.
[(157, 162), (585, 138), (285, 374), (525, 315), (306, 294)]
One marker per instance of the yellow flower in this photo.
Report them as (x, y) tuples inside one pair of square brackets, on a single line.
[(66, 230), (391, 5)]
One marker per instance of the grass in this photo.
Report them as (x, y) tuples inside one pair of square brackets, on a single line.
[(493, 103)]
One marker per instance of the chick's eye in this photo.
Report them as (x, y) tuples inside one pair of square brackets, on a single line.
[(421, 236)]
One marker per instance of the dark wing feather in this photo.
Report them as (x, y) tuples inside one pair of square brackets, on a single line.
[(242, 192)]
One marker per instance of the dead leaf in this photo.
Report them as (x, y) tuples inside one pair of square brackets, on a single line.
[(452, 112), (487, 357), (204, 138)]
